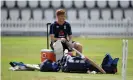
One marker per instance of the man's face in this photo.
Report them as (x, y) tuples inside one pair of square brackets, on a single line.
[(61, 18)]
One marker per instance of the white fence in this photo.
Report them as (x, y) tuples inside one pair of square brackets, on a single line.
[(88, 28)]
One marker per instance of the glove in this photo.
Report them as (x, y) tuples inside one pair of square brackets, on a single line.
[(70, 42)]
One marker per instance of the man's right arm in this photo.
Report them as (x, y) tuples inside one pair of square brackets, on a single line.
[(52, 33)]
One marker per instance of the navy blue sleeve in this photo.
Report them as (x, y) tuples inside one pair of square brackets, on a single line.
[(70, 30), (52, 29)]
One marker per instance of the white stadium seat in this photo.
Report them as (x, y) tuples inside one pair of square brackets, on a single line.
[(56, 4), (95, 14), (117, 14), (79, 4), (102, 4), (4, 14), (106, 14), (83, 14), (124, 4), (49, 14), (113, 4), (26, 14), (44, 4), (14, 14), (90, 4), (37, 14), (72, 14), (128, 13), (2, 3), (33, 4), (10, 4), (132, 3), (67, 4), (22, 4)]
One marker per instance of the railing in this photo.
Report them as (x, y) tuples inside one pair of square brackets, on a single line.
[(99, 28)]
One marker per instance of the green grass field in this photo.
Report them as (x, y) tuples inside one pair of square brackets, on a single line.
[(27, 50)]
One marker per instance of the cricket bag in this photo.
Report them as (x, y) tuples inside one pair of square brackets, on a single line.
[(109, 64)]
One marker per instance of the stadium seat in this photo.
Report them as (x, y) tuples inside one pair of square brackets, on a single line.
[(132, 3), (49, 14), (106, 14), (2, 3), (94, 14), (113, 4), (44, 4), (72, 14), (10, 4), (56, 4), (14, 14), (117, 14), (37, 14), (90, 4), (124, 4), (67, 4), (21, 4), (4, 14), (83, 14), (102, 4), (33, 4), (128, 13), (79, 4), (25, 14)]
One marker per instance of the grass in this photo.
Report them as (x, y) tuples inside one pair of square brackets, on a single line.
[(27, 50)]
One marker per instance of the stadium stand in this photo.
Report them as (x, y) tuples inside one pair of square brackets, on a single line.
[(92, 15)]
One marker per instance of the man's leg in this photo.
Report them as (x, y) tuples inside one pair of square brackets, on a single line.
[(78, 46)]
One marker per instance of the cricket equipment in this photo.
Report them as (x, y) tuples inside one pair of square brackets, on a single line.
[(49, 66), (20, 66), (71, 63), (47, 54), (58, 49), (48, 35), (124, 58), (91, 62), (109, 64)]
